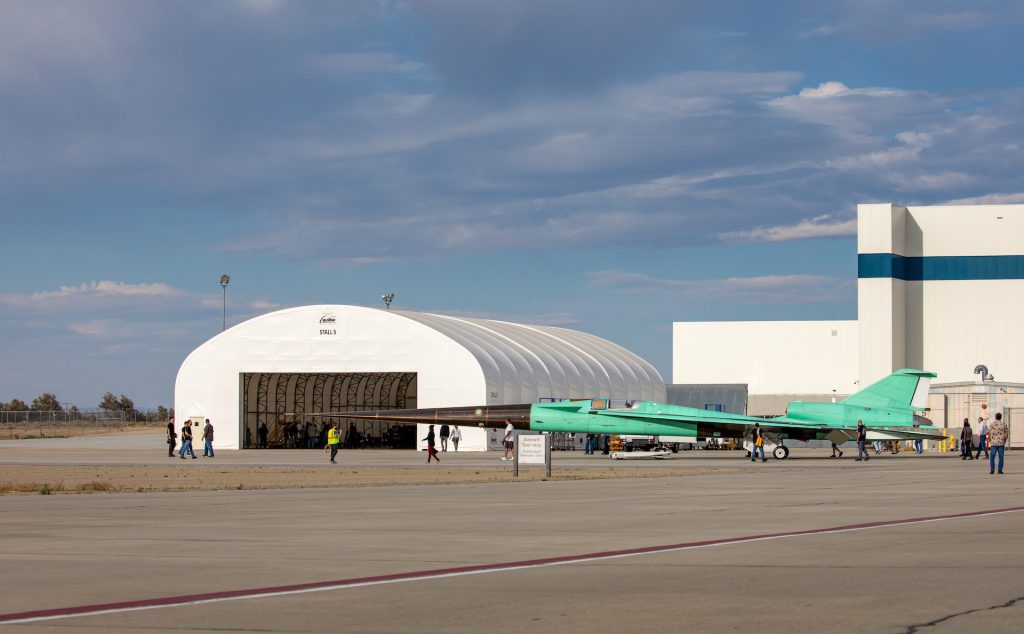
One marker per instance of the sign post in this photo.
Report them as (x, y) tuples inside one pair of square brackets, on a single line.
[(532, 449)]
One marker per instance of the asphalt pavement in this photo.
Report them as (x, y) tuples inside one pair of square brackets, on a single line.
[(898, 544)]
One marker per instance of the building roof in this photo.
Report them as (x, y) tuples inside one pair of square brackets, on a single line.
[(548, 362)]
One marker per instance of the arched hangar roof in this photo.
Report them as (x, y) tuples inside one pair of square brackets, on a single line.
[(544, 361), (462, 360)]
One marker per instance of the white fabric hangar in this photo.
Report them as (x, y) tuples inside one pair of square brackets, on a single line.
[(288, 366)]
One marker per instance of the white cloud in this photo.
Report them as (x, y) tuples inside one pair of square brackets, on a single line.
[(763, 289), (823, 226), (928, 180), (830, 89), (909, 149), (120, 310), (104, 328), (989, 199), (109, 288), (827, 89), (686, 184), (856, 112)]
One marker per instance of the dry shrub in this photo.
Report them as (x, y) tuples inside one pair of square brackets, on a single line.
[(95, 485), (20, 487)]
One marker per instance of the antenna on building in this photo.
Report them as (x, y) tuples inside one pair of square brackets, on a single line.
[(983, 371), (388, 298)]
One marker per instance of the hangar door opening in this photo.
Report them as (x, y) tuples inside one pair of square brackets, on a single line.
[(285, 410)]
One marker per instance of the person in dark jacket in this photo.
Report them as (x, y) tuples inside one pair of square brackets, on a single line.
[(966, 440), (208, 439), (431, 450), (445, 432), (172, 436), (862, 439), (186, 441)]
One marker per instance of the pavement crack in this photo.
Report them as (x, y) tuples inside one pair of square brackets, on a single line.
[(911, 629)]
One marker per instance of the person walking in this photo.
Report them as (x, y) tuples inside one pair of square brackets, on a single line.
[(311, 434), (982, 438), (997, 435), (456, 436), (445, 432), (208, 439), (757, 439), (261, 433), (509, 438), (186, 441), (836, 448), (588, 447), (431, 450), (172, 436), (918, 446), (862, 439), (333, 441), (966, 438)]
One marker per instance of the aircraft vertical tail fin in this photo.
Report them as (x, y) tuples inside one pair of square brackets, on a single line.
[(903, 388)]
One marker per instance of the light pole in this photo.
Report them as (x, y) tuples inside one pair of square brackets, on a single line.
[(388, 298), (224, 281)]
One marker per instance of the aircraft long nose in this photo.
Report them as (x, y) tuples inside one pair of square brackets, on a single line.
[(484, 415)]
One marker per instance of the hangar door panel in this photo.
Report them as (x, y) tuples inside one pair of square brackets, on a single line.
[(291, 406)]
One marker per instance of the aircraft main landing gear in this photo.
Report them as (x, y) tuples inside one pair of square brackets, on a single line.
[(781, 452)]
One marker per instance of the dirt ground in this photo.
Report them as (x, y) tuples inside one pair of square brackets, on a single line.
[(62, 479)]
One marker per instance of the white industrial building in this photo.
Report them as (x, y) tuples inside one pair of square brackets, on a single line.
[(290, 365), (939, 288)]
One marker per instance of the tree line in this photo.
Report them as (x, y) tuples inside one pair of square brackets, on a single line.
[(48, 402)]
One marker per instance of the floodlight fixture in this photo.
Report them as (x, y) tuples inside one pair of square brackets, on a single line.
[(224, 281)]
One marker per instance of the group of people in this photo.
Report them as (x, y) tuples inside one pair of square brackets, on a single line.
[(991, 439), (447, 433), (186, 439), (296, 437)]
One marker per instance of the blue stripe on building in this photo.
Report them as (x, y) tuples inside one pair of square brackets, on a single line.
[(940, 267)]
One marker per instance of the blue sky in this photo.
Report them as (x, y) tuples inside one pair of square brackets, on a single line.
[(605, 166)]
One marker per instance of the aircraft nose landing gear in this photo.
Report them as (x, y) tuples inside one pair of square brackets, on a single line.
[(781, 452)]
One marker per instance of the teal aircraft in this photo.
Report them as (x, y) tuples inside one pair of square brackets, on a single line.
[(888, 409)]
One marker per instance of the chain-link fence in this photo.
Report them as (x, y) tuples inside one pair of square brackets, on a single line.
[(41, 424), (12, 417)]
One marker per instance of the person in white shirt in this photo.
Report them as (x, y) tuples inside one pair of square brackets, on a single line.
[(982, 437), (509, 438), (456, 436)]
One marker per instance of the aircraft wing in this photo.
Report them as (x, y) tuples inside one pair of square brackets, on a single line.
[(652, 418), (933, 433)]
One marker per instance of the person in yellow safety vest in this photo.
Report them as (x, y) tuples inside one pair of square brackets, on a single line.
[(333, 441)]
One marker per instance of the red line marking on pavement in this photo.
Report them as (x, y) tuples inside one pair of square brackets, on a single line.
[(319, 586)]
